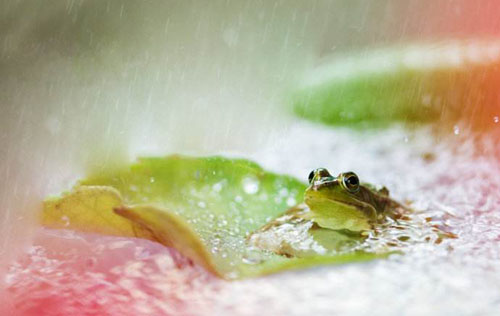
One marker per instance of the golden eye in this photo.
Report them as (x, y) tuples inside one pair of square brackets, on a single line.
[(350, 182)]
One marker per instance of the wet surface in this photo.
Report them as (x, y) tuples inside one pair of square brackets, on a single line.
[(451, 184)]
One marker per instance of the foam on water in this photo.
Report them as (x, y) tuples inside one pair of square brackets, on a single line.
[(70, 273)]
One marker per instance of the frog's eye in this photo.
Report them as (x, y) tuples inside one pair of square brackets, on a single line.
[(350, 182), (318, 174), (323, 173), (311, 177)]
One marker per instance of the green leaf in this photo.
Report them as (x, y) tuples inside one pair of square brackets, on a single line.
[(204, 207), (441, 82)]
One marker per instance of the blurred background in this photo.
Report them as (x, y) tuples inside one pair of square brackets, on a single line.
[(89, 84)]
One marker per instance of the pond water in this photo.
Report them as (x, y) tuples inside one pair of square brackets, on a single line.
[(453, 178)]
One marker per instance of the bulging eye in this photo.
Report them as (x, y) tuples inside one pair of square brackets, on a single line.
[(311, 177), (350, 182), (318, 174)]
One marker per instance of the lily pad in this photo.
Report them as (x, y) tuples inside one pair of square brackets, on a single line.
[(204, 207), (443, 82)]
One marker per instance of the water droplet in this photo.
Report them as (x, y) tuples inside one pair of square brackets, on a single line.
[(141, 253), (250, 185), (152, 179), (222, 223), (217, 187), (119, 244), (283, 192), (66, 220), (456, 130), (202, 204), (495, 119), (252, 256)]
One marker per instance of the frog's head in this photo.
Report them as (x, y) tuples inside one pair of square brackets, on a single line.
[(343, 199), (343, 188)]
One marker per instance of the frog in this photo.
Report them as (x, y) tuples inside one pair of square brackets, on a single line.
[(338, 213)]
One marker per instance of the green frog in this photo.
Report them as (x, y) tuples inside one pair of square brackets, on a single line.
[(337, 215)]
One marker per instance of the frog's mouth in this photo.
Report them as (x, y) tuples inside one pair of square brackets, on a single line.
[(338, 195), (336, 201), (330, 192)]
